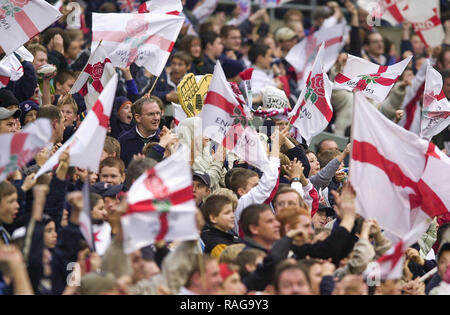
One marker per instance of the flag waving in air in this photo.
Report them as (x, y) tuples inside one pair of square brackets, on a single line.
[(21, 20), (412, 103), (225, 121), (173, 7), (373, 80), (20, 148), (423, 15), (436, 108), (86, 144), (145, 39), (94, 77), (302, 55), (313, 110), (161, 204), (391, 263), (411, 176)]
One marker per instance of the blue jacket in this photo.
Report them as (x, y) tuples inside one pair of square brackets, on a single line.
[(132, 143)]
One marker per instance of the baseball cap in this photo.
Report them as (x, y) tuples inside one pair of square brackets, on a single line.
[(284, 33), (203, 177), (106, 189), (6, 113)]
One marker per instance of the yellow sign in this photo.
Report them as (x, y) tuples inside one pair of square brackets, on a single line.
[(192, 94)]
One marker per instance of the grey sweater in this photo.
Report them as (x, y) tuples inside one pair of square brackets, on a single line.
[(323, 178)]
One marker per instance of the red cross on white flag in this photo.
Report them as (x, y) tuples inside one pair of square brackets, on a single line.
[(21, 20), (86, 144), (436, 108), (225, 121), (412, 103), (161, 205), (373, 80), (302, 55), (95, 75), (145, 39), (400, 179), (391, 263), (20, 148), (313, 110), (424, 16)]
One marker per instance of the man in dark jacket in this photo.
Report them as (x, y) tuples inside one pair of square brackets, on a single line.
[(147, 112)]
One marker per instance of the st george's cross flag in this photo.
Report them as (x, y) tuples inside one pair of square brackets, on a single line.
[(391, 263), (20, 148), (11, 68), (225, 121), (86, 144), (21, 20), (412, 103), (436, 108), (145, 39), (399, 179), (173, 7), (373, 80), (161, 205), (94, 77), (423, 15), (302, 55), (313, 110)]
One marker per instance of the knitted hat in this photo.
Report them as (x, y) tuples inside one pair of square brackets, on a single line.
[(232, 67), (7, 98)]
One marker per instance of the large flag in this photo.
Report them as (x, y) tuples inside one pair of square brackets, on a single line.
[(86, 144), (21, 20), (94, 77), (412, 103), (424, 16), (225, 121), (313, 110), (436, 108), (302, 55), (20, 148), (400, 179), (174, 7), (85, 217), (161, 204), (145, 39), (373, 80), (391, 263)]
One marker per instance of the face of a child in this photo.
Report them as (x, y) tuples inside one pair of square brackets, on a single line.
[(111, 175), (99, 212), (50, 235), (313, 163), (69, 115), (124, 114), (9, 208), (30, 116), (64, 88), (225, 220)]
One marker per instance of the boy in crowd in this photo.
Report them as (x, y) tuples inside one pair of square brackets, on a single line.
[(112, 171), (218, 213)]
